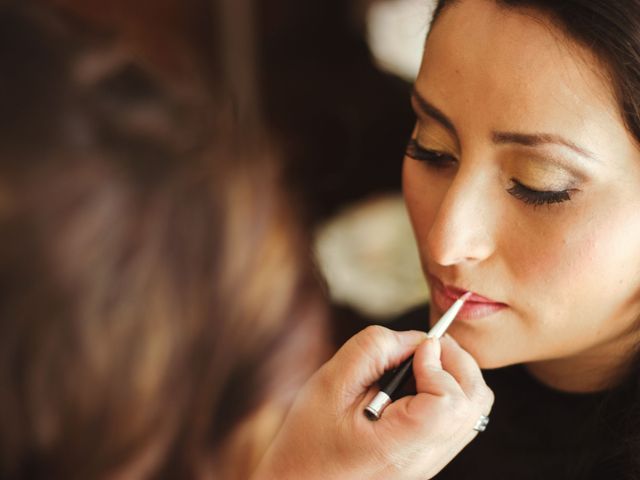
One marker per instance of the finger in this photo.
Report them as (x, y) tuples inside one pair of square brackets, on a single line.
[(429, 353), (427, 366), (464, 368), (427, 369), (366, 356), (425, 415)]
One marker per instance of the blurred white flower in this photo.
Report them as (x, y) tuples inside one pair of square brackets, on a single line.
[(396, 32), (369, 258)]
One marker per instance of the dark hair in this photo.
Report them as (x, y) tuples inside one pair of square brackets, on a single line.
[(611, 30), (154, 287)]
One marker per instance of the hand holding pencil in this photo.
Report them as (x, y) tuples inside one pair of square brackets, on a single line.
[(417, 435), (404, 371)]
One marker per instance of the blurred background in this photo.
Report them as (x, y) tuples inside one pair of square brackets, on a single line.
[(118, 221), (333, 78)]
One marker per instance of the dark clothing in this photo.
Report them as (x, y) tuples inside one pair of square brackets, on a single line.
[(535, 433)]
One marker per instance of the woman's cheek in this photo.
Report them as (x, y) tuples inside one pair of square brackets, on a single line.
[(547, 265), (583, 263)]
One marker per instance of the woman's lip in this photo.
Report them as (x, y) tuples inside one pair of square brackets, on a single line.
[(454, 293), (470, 310), (476, 307)]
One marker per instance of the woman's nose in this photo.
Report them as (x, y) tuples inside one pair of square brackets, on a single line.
[(462, 230)]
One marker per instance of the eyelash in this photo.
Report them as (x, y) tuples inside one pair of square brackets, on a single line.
[(432, 157), (523, 193), (536, 197)]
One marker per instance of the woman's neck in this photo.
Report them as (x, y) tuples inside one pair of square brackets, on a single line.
[(600, 368)]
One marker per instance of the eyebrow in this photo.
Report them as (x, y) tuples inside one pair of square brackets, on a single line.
[(429, 110), (537, 139), (501, 138)]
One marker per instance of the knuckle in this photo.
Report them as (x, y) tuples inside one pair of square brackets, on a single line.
[(375, 332), (481, 393), (373, 338), (488, 397)]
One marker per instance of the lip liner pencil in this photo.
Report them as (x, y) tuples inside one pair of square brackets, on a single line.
[(374, 410)]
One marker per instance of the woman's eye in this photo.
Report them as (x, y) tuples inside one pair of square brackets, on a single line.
[(432, 157), (537, 197)]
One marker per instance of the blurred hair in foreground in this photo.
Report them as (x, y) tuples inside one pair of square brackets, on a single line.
[(155, 290)]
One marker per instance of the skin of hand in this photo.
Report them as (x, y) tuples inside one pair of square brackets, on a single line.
[(327, 436)]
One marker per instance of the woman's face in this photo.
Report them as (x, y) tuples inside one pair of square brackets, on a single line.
[(523, 186)]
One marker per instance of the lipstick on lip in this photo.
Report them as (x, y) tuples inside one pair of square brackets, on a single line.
[(454, 293), (443, 296)]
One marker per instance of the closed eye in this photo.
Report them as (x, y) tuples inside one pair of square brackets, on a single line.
[(433, 158), (538, 197)]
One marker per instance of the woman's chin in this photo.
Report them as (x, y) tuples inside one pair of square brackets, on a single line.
[(491, 354), (493, 363)]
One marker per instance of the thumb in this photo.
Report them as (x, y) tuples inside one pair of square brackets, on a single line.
[(426, 359), (367, 355)]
